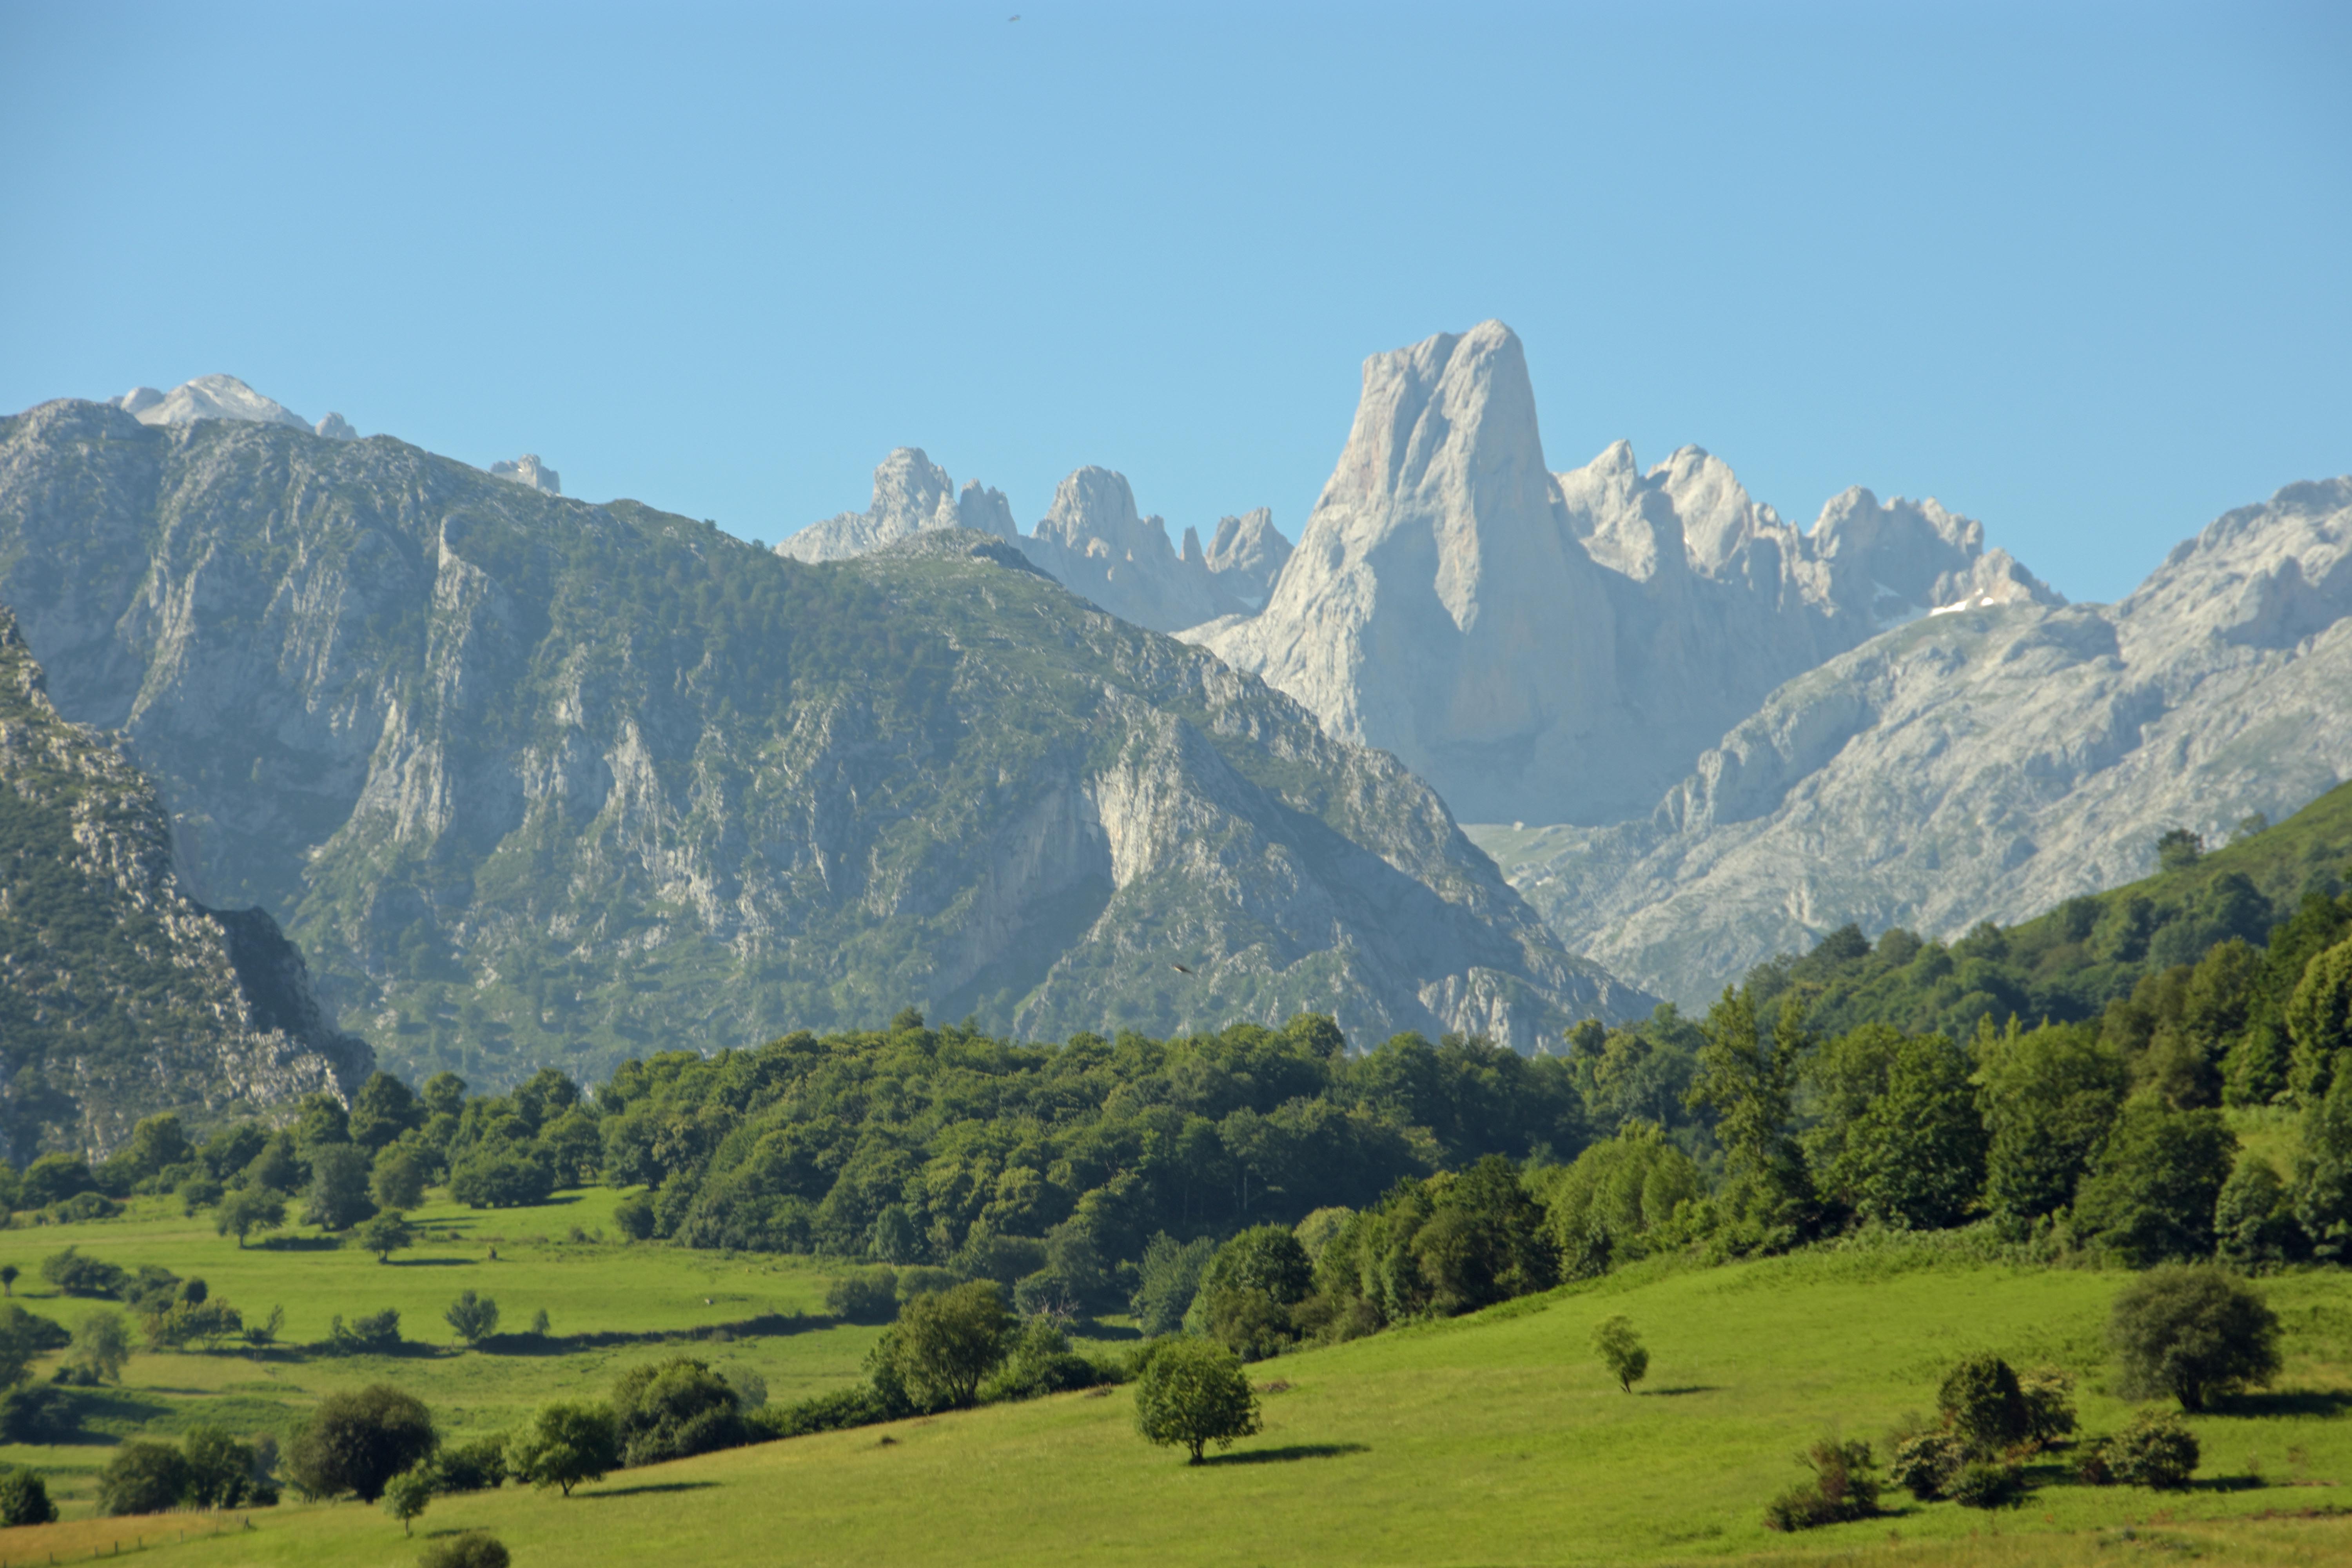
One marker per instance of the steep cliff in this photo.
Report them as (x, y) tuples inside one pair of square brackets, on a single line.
[(1983, 764), (122, 996), (539, 781), (1563, 647)]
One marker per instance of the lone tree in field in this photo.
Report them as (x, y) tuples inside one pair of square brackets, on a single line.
[(476, 1318), (946, 1341), (2192, 1332), (406, 1495), (1193, 1394), (1621, 1352), (8, 1272), (246, 1210), (565, 1445), (357, 1441), (384, 1234)]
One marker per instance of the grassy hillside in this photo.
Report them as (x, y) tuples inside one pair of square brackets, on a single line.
[(1488, 1439)]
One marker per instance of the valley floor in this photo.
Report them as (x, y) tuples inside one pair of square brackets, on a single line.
[(1493, 1440)]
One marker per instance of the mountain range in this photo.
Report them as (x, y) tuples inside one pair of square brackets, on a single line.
[(534, 782)]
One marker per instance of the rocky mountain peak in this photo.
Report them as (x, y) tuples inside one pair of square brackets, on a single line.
[(526, 470), (1094, 514), (206, 397)]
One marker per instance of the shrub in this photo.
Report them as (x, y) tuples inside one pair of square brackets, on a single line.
[(2049, 1395), (833, 1412), (222, 1471), (53, 1178), (634, 1215), (25, 1499), (143, 1477), (76, 1274), (198, 1322), (1191, 1393), (378, 1334), (357, 1441), (37, 1413), (84, 1207), (480, 1466), (2154, 1451), (673, 1409), (198, 1193), (923, 1279), (565, 1444), (1042, 1363), (868, 1296), (476, 1318), (1621, 1352), (1844, 1487), (1983, 1483), (2192, 1332), (471, 1550), (1984, 1405), (1170, 1278), (1927, 1465), (504, 1177)]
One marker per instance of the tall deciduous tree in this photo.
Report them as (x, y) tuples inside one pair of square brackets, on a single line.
[(1747, 1082)]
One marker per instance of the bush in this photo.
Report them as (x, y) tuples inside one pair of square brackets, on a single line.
[(1927, 1465), (52, 1179), (635, 1217), (476, 1318), (197, 1323), (1189, 1393), (75, 1275), (143, 1477), (2154, 1451), (1983, 1483), (198, 1193), (869, 1296), (2049, 1395), (2192, 1332), (502, 1178), (1042, 1363), (674, 1409), (37, 1413), (378, 1334), (357, 1441), (480, 1466), (1621, 1352), (834, 1411), (1844, 1487), (1984, 1405), (471, 1550), (222, 1471), (84, 1207), (1170, 1278), (25, 1499), (923, 1279)]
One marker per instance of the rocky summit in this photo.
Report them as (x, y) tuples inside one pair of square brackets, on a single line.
[(1983, 764), (535, 782), (125, 997), (1093, 542), (1561, 646)]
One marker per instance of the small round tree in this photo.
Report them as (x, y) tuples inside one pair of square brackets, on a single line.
[(1193, 1394), (406, 1495), (565, 1444), (143, 1477), (8, 1272), (384, 1234), (25, 1499), (246, 1210), (357, 1440), (1621, 1352), (2192, 1332), (1984, 1406), (476, 1318)]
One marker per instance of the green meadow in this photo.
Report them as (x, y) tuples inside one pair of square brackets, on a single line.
[(1493, 1438)]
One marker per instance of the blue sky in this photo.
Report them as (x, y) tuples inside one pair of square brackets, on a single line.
[(2084, 272)]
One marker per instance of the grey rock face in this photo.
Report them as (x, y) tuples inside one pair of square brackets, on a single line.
[(1985, 763), (1093, 542), (206, 397), (1561, 646), (526, 470), (125, 997), (536, 781), (335, 427)]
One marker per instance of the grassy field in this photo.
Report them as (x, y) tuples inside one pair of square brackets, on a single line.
[(1494, 1440), (610, 1305)]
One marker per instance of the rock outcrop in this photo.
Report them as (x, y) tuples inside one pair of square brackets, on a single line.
[(335, 427), (1093, 542), (206, 397), (1983, 764), (526, 470), (540, 783), (122, 996), (1561, 646)]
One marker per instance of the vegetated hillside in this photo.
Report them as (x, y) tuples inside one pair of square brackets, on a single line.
[(2273, 888), (119, 997), (534, 781), (1984, 764), (1493, 1440)]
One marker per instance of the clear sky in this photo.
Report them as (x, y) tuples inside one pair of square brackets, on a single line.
[(2084, 272)]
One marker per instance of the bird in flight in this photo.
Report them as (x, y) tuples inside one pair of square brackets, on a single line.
[(1180, 969)]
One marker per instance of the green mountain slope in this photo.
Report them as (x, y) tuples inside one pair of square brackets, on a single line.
[(121, 997), (535, 782)]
